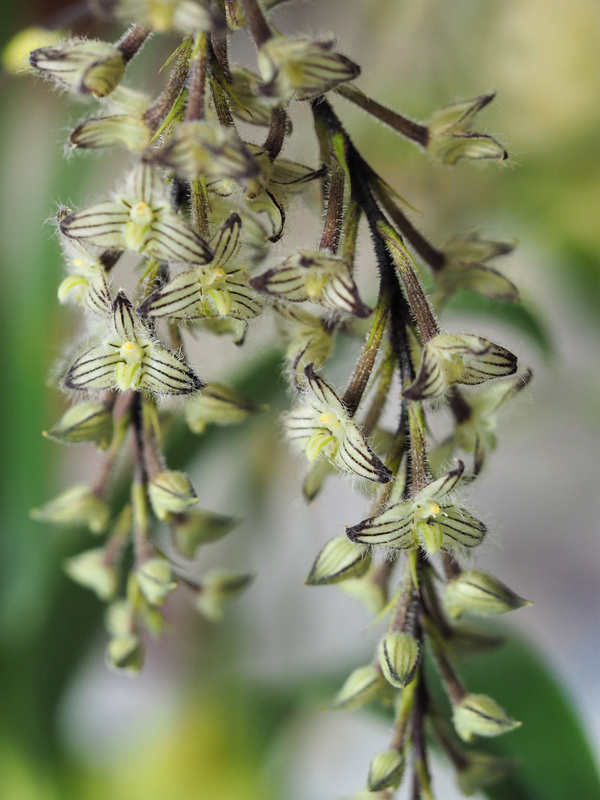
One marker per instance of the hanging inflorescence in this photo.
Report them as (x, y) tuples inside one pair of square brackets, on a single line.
[(198, 209)]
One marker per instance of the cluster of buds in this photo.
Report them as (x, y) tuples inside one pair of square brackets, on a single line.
[(198, 209)]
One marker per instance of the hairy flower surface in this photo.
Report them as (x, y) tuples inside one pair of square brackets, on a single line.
[(430, 520), (141, 220), (322, 426), (130, 360)]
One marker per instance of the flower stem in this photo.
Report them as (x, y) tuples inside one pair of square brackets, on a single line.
[(406, 127)]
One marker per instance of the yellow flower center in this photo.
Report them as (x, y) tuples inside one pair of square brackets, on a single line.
[(132, 353), (141, 214)]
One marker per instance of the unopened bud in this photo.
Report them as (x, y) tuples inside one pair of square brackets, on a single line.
[(476, 592), (155, 579), (84, 422), (198, 528), (125, 653), (339, 560), (398, 657), (385, 771), (77, 506), (360, 687), (86, 67), (171, 492), (90, 569), (217, 404), (479, 715), (482, 769), (123, 129), (218, 588)]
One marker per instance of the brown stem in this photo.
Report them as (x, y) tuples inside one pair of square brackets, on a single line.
[(130, 43), (381, 393), (256, 22), (406, 127), (219, 39), (194, 109), (277, 130), (175, 86), (332, 228)]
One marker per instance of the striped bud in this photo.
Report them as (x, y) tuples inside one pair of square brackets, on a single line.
[(82, 66), (360, 687), (77, 506), (399, 656), (84, 422), (218, 404), (90, 569), (200, 527), (339, 560), (385, 771), (477, 592), (155, 579), (171, 492), (218, 588), (479, 715)]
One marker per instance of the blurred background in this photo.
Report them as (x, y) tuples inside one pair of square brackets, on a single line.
[(233, 712)]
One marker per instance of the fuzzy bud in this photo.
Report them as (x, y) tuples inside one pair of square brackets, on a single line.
[(339, 560), (360, 687), (171, 492), (125, 653), (90, 569), (77, 506), (219, 587), (155, 579), (479, 715), (398, 657), (84, 422), (217, 404), (385, 771), (476, 592), (82, 66), (198, 528)]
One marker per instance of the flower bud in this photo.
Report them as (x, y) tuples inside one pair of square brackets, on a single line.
[(75, 507), (125, 653), (15, 55), (119, 618), (121, 129), (84, 422), (482, 769), (301, 68), (451, 139), (385, 771), (339, 560), (479, 715), (476, 592), (184, 16), (246, 105), (171, 492), (155, 579), (360, 687), (82, 66), (199, 149), (90, 569), (217, 404), (200, 527), (219, 587), (398, 657)]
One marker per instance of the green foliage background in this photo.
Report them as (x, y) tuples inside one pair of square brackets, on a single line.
[(205, 730)]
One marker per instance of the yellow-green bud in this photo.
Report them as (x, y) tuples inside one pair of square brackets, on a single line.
[(122, 129), (91, 570), (339, 560), (81, 65), (481, 770), (219, 587), (125, 653), (171, 492), (84, 422), (15, 56), (479, 715), (119, 618), (77, 506), (200, 527), (476, 592), (385, 771), (398, 657), (217, 404), (360, 687), (155, 579)]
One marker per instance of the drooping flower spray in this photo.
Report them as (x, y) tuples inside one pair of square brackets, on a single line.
[(199, 208)]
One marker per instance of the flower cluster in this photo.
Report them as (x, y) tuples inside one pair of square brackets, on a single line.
[(197, 209)]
